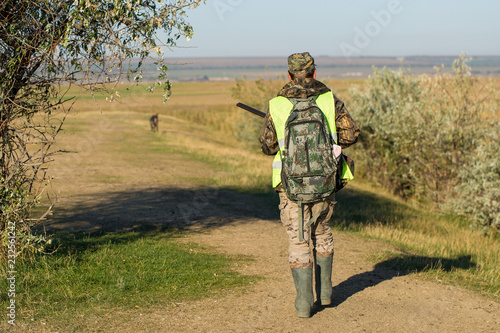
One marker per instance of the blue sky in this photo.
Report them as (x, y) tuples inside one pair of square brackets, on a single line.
[(343, 28)]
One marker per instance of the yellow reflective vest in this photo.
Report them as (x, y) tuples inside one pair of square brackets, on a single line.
[(280, 108)]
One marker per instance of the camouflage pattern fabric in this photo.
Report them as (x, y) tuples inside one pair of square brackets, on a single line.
[(301, 63), (299, 253), (347, 130), (309, 167), (303, 88)]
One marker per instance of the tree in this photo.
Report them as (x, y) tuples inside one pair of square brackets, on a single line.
[(47, 46)]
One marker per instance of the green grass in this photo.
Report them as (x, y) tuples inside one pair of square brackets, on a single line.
[(91, 274)]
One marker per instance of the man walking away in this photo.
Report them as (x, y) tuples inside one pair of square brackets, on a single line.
[(307, 220)]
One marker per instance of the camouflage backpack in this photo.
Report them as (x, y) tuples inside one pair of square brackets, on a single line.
[(309, 168)]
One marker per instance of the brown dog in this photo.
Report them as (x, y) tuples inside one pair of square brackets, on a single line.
[(153, 121)]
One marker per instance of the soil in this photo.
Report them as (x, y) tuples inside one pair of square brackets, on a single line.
[(367, 296)]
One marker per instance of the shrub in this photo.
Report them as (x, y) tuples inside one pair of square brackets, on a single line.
[(478, 194), (431, 138), (385, 112)]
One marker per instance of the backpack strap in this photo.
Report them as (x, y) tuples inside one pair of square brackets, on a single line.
[(301, 221), (314, 218), (311, 221)]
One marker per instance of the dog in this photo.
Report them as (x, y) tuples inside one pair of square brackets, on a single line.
[(153, 121)]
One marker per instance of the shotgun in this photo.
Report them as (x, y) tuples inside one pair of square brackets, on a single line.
[(251, 109)]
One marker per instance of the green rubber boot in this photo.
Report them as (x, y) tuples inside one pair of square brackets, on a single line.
[(324, 280), (304, 301)]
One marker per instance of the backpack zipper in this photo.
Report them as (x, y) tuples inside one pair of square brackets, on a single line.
[(307, 158)]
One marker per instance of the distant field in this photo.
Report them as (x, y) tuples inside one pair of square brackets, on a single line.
[(191, 96)]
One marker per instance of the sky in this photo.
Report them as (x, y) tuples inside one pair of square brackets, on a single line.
[(348, 28)]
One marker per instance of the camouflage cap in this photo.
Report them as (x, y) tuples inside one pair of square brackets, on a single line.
[(300, 63)]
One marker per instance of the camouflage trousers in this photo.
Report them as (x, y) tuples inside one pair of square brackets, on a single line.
[(299, 253)]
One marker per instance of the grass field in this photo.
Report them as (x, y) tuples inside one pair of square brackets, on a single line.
[(115, 157)]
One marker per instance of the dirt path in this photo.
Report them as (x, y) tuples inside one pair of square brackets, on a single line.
[(367, 296)]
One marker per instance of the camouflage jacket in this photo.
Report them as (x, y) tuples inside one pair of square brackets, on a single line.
[(347, 130)]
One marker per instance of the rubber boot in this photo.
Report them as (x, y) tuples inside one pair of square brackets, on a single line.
[(324, 280), (304, 301)]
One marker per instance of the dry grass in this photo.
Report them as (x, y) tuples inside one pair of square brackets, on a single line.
[(446, 249)]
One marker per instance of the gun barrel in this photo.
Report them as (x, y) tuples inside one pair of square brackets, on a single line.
[(251, 109)]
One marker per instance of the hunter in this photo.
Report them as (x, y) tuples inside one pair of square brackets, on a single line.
[(344, 133)]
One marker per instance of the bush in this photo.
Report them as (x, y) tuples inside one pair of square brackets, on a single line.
[(432, 138), (478, 194), (385, 112)]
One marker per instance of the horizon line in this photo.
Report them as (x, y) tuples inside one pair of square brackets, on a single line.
[(340, 56)]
